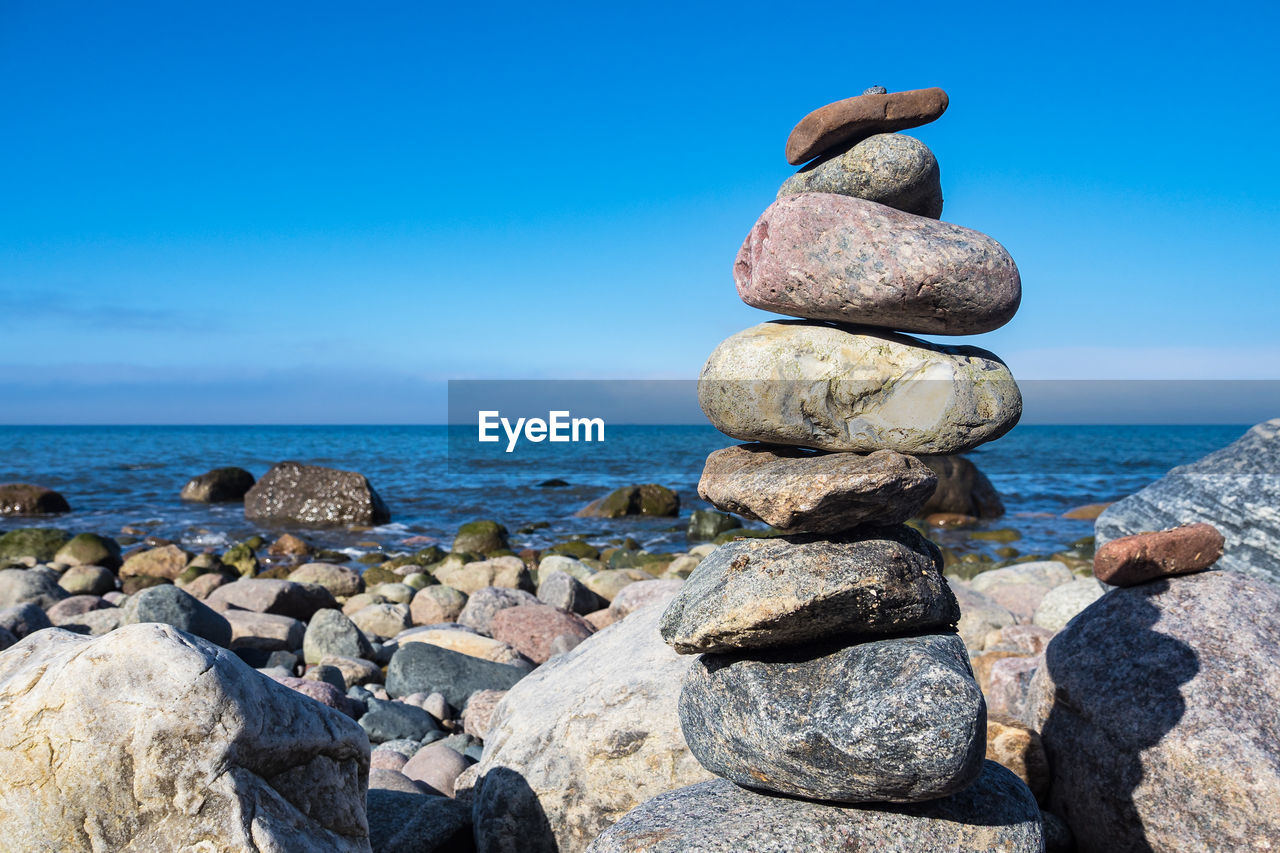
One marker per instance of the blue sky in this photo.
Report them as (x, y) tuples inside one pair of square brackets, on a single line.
[(248, 212)]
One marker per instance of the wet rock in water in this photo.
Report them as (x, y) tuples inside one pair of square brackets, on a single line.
[(1236, 489), (1061, 604), (816, 385), (567, 593), (331, 633), (798, 490), (888, 168), (387, 720), (22, 620), (221, 485), (962, 489), (165, 562), (979, 615), (272, 595), (29, 586), (169, 605), (426, 668), (1131, 560), (480, 537), (89, 549), (707, 524), (484, 603), (1162, 696), (417, 823), (436, 603), (508, 572), (584, 739), (289, 545), (894, 720), (531, 628), (859, 117), (996, 813), (647, 499), (312, 495), (436, 765), (765, 593), (831, 257), (39, 544), (266, 631), (30, 499), (87, 580), (142, 691)]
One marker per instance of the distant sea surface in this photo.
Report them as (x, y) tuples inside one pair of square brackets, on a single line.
[(434, 478)]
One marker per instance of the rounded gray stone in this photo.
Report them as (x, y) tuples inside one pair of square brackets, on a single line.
[(888, 168), (997, 813), (897, 720), (766, 593), (332, 633), (169, 605)]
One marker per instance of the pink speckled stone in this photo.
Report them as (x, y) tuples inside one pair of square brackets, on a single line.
[(824, 256)]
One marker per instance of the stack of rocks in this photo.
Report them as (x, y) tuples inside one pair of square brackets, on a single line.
[(830, 672)]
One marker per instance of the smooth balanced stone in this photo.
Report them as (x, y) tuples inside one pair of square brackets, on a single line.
[(1157, 708), (313, 495), (897, 720), (1236, 489), (860, 117), (824, 256), (888, 168), (996, 813), (800, 490), (816, 385), (765, 593), (1132, 560), (149, 739)]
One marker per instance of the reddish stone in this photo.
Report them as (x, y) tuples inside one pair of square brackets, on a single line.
[(1008, 685), (1132, 560), (531, 628), (322, 692), (862, 116), (950, 519)]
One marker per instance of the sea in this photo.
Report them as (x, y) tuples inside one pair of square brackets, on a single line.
[(434, 478)]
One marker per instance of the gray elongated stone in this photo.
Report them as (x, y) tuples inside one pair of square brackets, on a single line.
[(835, 388), (169, 605), (897, 720), (1157, 708), (426, 668), (1236, 489), (833, 257), (151, 739), (799, 490), (997, 813), (889, 168), (766, 593)]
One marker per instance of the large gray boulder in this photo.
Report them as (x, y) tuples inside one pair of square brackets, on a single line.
[(996, 813), (148, 739), (584, 739), (1157, 710), (311, 494), (897, 720), (1236, 489)]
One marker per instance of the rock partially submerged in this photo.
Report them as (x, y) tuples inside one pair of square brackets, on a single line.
[(149, 739), (30, 499), (221, 485), (313, 495)]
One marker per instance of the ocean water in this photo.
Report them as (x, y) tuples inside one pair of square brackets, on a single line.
[(434, 478)]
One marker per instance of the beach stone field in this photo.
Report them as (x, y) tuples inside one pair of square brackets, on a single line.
[(809, 671)]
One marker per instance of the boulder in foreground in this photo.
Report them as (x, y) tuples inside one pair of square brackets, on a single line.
[(310, 494), (997, 813), (149, 739), (584, 739)]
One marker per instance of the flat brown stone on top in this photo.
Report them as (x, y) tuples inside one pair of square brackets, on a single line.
[(1131, 560), (860, 117)]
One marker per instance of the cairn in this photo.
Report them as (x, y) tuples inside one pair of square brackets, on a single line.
[(830, 675)]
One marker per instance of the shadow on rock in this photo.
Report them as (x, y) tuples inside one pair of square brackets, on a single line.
[(508, 816)]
